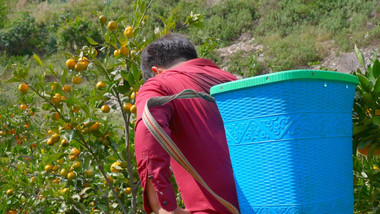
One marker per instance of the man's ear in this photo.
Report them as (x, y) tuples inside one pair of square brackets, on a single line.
[(155, 69)]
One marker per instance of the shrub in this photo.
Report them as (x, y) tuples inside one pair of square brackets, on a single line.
[(24, 36)]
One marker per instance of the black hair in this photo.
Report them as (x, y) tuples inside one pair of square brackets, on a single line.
[(165, 52)]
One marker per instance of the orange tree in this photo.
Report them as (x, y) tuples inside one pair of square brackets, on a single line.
[(82, 157), (366, 135)]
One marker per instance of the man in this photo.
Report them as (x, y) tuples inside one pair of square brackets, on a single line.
[(169, 66)]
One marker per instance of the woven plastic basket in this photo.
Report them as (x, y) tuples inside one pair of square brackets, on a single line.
[(290, 140)]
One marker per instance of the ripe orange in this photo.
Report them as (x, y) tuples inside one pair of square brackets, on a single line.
[(31, 113), (55, 116), (56, 98), (70, 63), (64, 143), (75, 109), (57, 181), (128, 190), (116, 53), (76, 80), (100, 85), (112, 26), (23, 106), (133, 109), (63, 172), (102, 19), (75, 151), (61, 161), (128, 32), (114, 167), (3, 133), (105, 109), (12, 212), (23, 88), (95, 126), (67, 126), (55, 137), (65, 190), (88, 173), (109, 178), (124, 50), (84, 60), (10, 192), (50, 132), (71, 175), (50, 142), (77, 165), (66, 88), (33, 179), (80, 66), (72, 157), (48, 167), (133, 95), (127, 106)]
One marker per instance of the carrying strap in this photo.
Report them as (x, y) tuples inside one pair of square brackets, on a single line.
[(170, 147)]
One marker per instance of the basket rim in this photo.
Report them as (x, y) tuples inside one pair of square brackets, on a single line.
[(284, 76)]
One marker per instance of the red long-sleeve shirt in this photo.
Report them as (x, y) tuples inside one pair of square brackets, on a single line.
[(196, 127)]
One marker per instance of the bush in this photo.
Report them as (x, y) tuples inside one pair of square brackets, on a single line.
[(24, 36), (291, 51), (74, 32)]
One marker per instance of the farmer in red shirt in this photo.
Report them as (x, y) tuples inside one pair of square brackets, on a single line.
[(169, 66)]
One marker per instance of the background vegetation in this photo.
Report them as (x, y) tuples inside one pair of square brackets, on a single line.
[(294, 34)]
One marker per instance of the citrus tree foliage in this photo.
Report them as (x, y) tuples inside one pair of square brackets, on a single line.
[(64, 151)]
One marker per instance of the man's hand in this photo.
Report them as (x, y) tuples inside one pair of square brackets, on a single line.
[(176, 211)]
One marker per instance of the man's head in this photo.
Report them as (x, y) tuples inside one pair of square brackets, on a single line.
[(166, 52)]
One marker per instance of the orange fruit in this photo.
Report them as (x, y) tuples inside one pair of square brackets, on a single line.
[(31, 113), (10, 192), (23, 106), (61, 161), (105, 109), (100, 85), (116, 53), (66, 88), (55, 137), (128, 32), (75, 109), (67, 126), (88, 173), (77, 165), (127, 106), (71, 175), (23, 88), (112, 26), (102, 19), (133, 109), (124, 50), (114, 168), (65, 190), (109, 178), (55, 168), (75, 151), (48, 168), (12, 212), (64, 143), (84, 60), (50, 132), (3, 133), (76, 80), (365, 150), (57, 181), (72, 157), (95, 126), (80, 66), (70, 63), (55, 116), (56, 98), (128, 190), (133, 95), (33, 179), (50, 142)]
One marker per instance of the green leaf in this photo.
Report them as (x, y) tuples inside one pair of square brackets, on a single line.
[(122, 89), (364, 82), (14, 79), (376, 88), (358, 129), (360, 56), (376, 68), (38, 60), (46, 106), (91, 41), (376, 120)]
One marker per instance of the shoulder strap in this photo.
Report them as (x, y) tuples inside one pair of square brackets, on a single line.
[(170, 147)]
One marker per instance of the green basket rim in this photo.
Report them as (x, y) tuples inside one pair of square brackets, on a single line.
[(283, 76)]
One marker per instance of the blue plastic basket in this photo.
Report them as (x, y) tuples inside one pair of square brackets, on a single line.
[(290, 141)]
